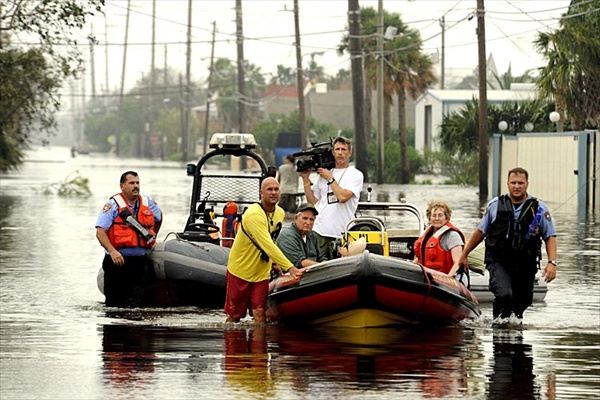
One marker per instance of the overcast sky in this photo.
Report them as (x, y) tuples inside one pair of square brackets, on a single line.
[(268, 27)]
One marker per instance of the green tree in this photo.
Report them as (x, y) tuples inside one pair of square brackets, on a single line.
[(342, 77), (267, 131), (504, 81), (459, 135), (141, 107), (413, 75), (572, 75), (407, 72), (284, 76), (393, 162), (225, 85), (31, 77), (314, 71)]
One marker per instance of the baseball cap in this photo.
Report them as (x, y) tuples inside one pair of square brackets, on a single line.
[(307, 206)]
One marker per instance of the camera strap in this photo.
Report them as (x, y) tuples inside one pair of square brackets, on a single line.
[(331, 197), (263, 254), (343, 173)]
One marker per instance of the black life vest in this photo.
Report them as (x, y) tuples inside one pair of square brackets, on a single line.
[(512, 240)]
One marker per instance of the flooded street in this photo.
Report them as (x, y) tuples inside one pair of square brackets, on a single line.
[(58, 341)]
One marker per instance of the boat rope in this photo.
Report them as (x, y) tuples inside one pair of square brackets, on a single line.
[(169, 234), (576, 192)]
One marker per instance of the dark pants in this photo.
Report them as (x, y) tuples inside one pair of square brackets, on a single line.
[(326, 245), (511, 283), (127, 285)]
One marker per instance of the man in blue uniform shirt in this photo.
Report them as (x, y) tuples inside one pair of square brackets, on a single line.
[(126, 268), (514, 225)]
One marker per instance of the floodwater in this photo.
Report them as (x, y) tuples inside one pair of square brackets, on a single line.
[(58, 341)]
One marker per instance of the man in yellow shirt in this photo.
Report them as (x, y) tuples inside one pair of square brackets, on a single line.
[(252, 255)]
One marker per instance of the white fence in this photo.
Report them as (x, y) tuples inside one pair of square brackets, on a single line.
[(563, 167)]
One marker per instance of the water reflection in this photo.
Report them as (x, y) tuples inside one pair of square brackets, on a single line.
[(247, 361), (127, 355), (429, 362), (135, 355), (512, 372), (262, 360)]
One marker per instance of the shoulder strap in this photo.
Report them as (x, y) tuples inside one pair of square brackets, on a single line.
[(118, 198), (441, 231), (263, 254)]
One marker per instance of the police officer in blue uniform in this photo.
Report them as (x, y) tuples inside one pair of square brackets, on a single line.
[(514, 226)]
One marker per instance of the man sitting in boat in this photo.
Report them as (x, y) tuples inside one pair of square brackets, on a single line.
[(298, 241), (440, 246)]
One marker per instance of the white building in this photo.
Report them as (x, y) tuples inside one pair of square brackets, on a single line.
[(431, 108)]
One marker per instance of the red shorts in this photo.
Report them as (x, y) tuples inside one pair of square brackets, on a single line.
[(243, 295)]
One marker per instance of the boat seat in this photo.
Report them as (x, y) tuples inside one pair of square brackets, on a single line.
[(372, 229), (370, 224)]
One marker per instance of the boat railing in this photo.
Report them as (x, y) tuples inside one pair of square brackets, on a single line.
[(371, 229), (211, 190), (400, 233)]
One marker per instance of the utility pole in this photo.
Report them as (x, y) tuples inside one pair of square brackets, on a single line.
[(188, 65), (153, 62), (182, 115), (106, 55), (117, 133), (358, 87), (209, 89), (241, 74), (93, 65), (165, 75), (380, 134), (241, 67), (152, 103), (483, 128), (443, 63), (300, 78)]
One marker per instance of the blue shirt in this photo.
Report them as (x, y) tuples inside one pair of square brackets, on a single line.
[(546, 224), (110, 211)]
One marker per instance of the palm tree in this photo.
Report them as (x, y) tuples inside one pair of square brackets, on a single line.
[(343, 76), (406, 70), (314, 71), (572, 75), (284, 76), (225, 85), (413, 74), (504, 81)]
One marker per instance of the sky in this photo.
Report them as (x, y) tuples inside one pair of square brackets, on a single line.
[(268, 26)]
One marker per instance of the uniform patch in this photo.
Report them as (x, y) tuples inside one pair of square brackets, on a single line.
[(547, 216), (107, 207)]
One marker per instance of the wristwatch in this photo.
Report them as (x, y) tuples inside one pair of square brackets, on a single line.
[(552, 262), (329, 182)]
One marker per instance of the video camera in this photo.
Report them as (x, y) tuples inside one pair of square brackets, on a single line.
[(319, 156)]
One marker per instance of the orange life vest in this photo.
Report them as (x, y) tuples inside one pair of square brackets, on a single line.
[(229, 227), (122, 235), (432, 255)]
